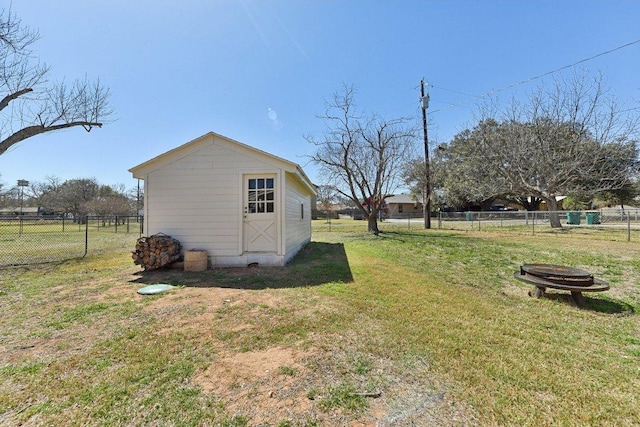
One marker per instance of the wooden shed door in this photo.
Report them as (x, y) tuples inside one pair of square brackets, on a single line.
[(260, 213)]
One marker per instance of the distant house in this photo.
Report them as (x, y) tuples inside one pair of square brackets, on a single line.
[(403, 206), (240, 204), (19, 211)]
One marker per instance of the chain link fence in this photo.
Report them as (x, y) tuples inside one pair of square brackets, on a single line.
[(617, 224), (614, 221), (33, 240)]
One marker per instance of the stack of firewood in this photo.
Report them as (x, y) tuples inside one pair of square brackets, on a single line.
[(156, 251)]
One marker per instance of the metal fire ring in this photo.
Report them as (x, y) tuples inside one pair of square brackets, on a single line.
[(560, 277)]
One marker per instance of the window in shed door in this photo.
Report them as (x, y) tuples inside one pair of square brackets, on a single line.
[(260, 195)]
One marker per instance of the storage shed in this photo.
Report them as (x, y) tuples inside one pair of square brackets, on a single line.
[(240, 204)]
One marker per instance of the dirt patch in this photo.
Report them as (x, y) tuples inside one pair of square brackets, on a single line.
[(274, 385), (192, 307), (261, 384)]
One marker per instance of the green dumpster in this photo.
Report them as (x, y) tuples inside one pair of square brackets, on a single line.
[(573, 218), (592, 217)]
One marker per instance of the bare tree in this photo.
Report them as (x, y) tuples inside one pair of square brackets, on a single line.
[(108, 206), (363, 158), (112, 200), (29, 104), (326, 196), (10, 197), (71, 197), (38, 191)]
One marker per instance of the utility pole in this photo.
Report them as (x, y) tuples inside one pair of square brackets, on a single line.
[(424, 100)]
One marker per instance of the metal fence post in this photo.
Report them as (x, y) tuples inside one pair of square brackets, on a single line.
[(86, 236), (628, 228), (533, 222)]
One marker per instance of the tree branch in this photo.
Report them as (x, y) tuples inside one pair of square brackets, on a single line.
[(31, 131), (7, 99)]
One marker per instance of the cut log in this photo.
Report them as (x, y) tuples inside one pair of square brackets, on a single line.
[(156, 251)]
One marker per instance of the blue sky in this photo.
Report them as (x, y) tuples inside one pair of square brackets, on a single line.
[(259, 71)]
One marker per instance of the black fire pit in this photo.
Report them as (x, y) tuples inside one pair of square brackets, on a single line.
[(545, 276)]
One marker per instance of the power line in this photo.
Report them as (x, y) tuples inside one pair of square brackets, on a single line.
[(534, 78), (454, 91)]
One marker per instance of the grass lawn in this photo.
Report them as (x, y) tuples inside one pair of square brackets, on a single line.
[(411, 327)]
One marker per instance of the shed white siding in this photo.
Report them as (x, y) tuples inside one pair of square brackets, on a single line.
[(195, 193), (298, 216)]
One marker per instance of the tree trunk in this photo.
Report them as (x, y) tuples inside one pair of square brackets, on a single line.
[(554, 218), (373, 223)]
